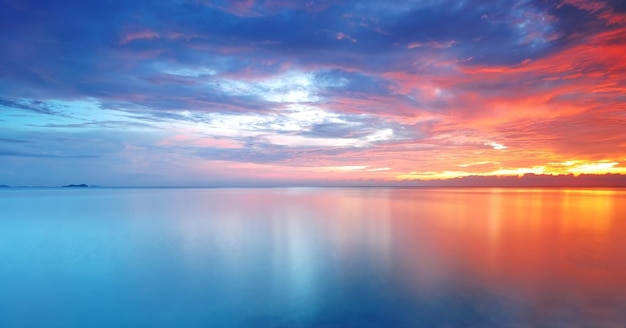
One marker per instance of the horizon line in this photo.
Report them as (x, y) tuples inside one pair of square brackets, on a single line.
[(531, 180)]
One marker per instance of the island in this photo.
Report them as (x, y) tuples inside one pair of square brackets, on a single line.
[(82, 185), (4, 186)]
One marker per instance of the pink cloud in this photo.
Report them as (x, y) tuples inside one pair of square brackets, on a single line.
[(343, 36), (139, 35), (565, 107), (591, 6), (433, 44)]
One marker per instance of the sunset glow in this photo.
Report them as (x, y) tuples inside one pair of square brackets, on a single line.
[(277, 92)]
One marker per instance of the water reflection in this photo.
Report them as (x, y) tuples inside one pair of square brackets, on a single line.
[(315, 257), (299, 245), (554, 251), (549, 254)]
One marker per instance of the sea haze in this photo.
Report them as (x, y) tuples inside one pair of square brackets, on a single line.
[(311, 257)]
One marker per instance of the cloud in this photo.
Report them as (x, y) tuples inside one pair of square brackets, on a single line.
[(430, 87), (342, 36), (36, 106), (338, 130), (16, 141), (139, 35), (496, 146), (432, 44), (9, 153)]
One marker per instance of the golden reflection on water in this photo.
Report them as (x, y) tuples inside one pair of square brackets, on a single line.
[(547, 244)]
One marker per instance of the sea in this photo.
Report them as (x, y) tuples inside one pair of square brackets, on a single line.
[(312, 257)]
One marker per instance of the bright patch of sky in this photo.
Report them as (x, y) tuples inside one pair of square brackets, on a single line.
[(291, 87), (85, 114)]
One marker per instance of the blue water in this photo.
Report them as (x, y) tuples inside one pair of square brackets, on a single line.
[(353, 257)]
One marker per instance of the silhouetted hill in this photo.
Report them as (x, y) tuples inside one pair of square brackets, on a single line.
[(82, 185), (530, 180)]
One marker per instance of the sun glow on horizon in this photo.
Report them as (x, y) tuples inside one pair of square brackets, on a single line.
[(573, 167)]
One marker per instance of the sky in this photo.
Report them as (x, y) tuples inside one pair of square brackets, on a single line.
[(195, 92)]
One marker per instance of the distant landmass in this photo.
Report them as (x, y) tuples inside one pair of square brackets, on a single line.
[(4, 186), (609, 180), (536, 180), (82, 185)]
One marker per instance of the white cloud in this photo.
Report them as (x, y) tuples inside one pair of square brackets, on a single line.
[(496, 146), (290, 87)]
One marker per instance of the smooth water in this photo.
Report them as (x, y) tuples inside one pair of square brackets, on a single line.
[(312, 258)]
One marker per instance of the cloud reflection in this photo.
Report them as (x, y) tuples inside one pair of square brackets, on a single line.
[(538, 256)]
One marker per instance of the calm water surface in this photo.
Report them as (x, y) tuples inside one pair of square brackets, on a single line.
[(312, 258)]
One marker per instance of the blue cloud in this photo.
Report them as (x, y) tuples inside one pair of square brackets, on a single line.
[(16, 141), (36, 106), (10, 153), (76, 49)]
